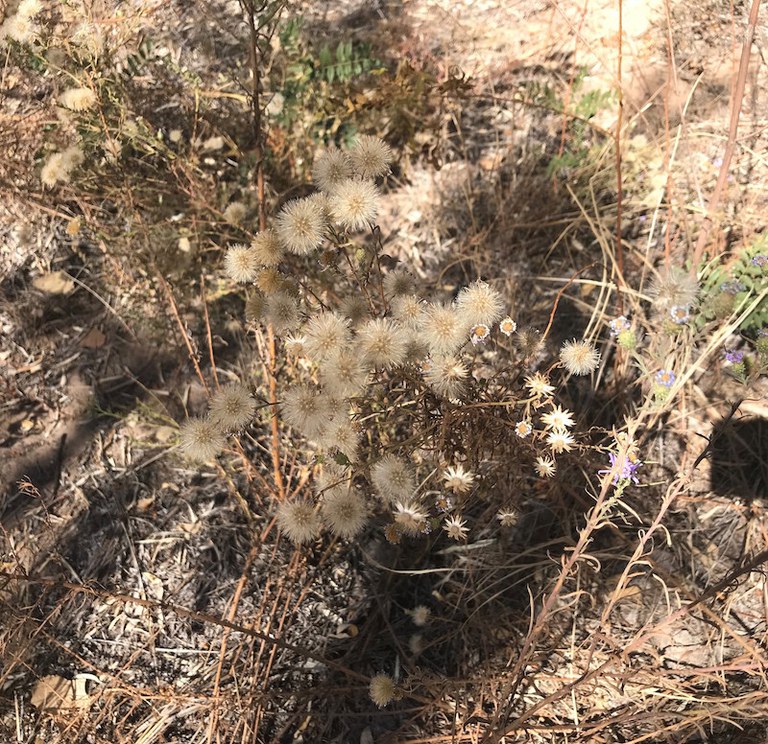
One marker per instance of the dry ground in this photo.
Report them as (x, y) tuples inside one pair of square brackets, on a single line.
[(144, 600)]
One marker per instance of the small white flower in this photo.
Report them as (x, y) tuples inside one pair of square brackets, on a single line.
[(456, 528), (558, 419), (458, 480), (545, 467)]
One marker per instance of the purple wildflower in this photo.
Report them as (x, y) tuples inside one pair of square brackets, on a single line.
[(626, 468), (732, 287), (619, 325), (760, 260), (734, 356), (666, 378), (680, 314)]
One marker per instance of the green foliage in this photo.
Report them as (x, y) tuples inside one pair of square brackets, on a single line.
[(733, 287)]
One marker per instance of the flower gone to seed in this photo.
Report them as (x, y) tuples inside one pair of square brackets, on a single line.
[(393, 479), (201, 439), (299, 521), (301, 226), (240, 264), (579, 357), (354, 203), (330, 168), (344, 511), (479, 303), (370, 156), (232, 407), (382, 690)]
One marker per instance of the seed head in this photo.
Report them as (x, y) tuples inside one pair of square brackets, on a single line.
[(370, 157), (579, 357), (301, 226), (267, 249), (330, 168), (354, 203), (201, 439), (382, 690), (232, 407), (479, 303), (327, 333), (382, 343), (78, 99), (393, 479), (344, 511), (240, 264), (299, 521)]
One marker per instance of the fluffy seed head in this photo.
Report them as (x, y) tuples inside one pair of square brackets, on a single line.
[(674, 287), (240, 264), (269, 279), (299, 521), (201, 439), (343, 373), (420, 615), (399, 282), (393, 479), (255, 303), (330, 168), (59, 166), (447, 375), (307, 410), (382, 343), (282, 311), (479, 303), (326, 333), (408, 310), (354, 203), (301, 226), (344, 511), (370, 157), (382, 690), (355, 308), (78, 99), (579, 357), (232, 407), (235, 213), (342, 435), (443, 329)]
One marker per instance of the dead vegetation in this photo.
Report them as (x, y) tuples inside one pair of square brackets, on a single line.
[(143, 599)]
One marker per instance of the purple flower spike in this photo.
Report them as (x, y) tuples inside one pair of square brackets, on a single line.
[(734, 356)]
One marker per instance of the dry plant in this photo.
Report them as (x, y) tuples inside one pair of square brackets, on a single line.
[(453, 498)]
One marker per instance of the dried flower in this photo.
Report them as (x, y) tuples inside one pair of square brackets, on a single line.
[(354, 203), (78, 99), (579, 357), (201, 439), (508, 517), (409, 310), (382, 690), (559, 441), (59, 166), (558, 419), (545, 467), (456, 527), (539, 385), (370, 157), (344, 373), (344, 511), (393, 479), (479, 303), (330, 168), (458, 480), (240, 264), (301, 226), (410, 517), (232, 407), (299, 520), (306, 409)]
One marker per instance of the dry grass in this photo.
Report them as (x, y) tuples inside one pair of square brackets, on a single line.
[(166, 592)]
